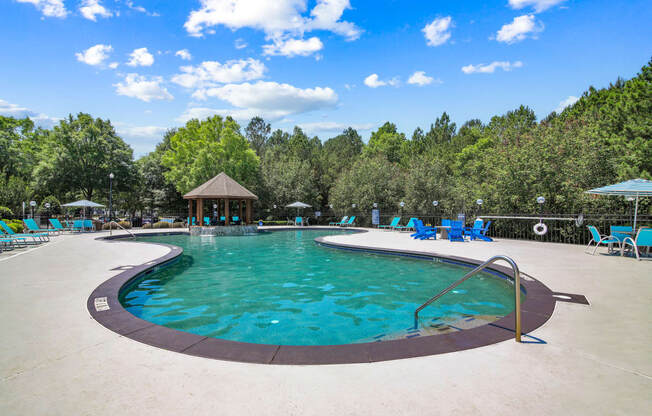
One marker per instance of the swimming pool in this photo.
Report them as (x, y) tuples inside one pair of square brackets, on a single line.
[(281, 288)]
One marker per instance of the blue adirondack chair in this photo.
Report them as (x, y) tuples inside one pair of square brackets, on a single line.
[(456, 232), (423, 232), (478, 231)]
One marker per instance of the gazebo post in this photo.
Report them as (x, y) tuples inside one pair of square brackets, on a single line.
[(189, 213), (240, 208), (249, 201), (200, 210), (226, 211)]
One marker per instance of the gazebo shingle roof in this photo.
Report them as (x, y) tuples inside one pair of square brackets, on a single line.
[(220, 187)]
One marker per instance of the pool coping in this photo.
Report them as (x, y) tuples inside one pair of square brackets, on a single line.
[(104, 306)]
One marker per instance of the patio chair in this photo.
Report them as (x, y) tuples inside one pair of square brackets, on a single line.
[(445, 223), (298, 221), (88, 225), (456, 232), (34, 228), (423, 232), (643, 239), (207, 221), (78, 225), (407, 227), (350, 222), (478, 231), (56, 224), (36, 238), (342, 221), (392, 224), (620, 232), (601, 239), (193, 221), (235, 220)]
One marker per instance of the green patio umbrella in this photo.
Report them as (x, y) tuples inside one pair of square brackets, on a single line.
[(636, 188)]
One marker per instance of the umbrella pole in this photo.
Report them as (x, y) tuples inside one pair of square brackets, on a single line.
[(635, 212)]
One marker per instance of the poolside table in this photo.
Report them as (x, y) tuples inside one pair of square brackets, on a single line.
[(443, 230)]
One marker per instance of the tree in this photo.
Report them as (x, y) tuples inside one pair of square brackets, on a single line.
[(78, 156), (387, 141), (202, 149), (257, 132)]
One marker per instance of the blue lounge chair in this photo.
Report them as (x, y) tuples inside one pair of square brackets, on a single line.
[(423, 232), (78, 225), (342, 221), (193, 221), (643, 239), (34, 228), (56, 224), (392, 224), (602, 239), (235, 220), (456, 232), (407, 227), (298, 221), (350, 222), (207, 221), (222, 220), (34, 238)]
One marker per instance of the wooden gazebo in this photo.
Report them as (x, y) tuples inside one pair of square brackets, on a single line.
[(223, 191)]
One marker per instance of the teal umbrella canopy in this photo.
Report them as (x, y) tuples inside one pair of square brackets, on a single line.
[(635, 188)]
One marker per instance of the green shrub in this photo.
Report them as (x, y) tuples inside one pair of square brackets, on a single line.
[(16, 225), (179, 225), (147, 226), (161, 224), (5, 212)]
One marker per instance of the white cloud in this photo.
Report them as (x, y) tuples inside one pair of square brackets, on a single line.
[(240, 43), (184, 54), (140, 9), (331, 126), (491, 68), (49, 8), (373, 81), (95, 55), (567, 102), (538, 5), (140, 131), (276, 18), (420, 78), (90, 9), (520, 28), (143, 88), (293, 47), (113, 65), (270, 100), (208, 73), (437, 32), (141, 57), (12, 110)]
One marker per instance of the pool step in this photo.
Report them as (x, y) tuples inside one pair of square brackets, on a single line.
[(437, 326)]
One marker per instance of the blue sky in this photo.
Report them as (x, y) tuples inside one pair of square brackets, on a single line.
[(321, 64)]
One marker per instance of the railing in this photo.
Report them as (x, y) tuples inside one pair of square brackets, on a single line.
[(119, 226), (517, 291)]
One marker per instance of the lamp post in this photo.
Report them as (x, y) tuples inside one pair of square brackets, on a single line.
[(47, 212), (32, 204), (435, 204), (111, 176), (479, 202)]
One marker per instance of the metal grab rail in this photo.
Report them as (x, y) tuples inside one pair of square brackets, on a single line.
[(119, 226), (517, 291)]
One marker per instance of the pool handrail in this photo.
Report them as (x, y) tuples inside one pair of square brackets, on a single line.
[(478, 269)]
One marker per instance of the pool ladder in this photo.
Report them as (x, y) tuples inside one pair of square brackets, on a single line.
[(112, 223), (517, 291)]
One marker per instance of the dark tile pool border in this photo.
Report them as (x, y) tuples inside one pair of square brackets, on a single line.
[(104, 306)]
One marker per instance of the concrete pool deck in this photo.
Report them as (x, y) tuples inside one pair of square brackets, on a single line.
[(54, 359)]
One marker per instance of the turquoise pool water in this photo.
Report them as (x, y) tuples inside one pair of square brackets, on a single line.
[(282, 288)]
